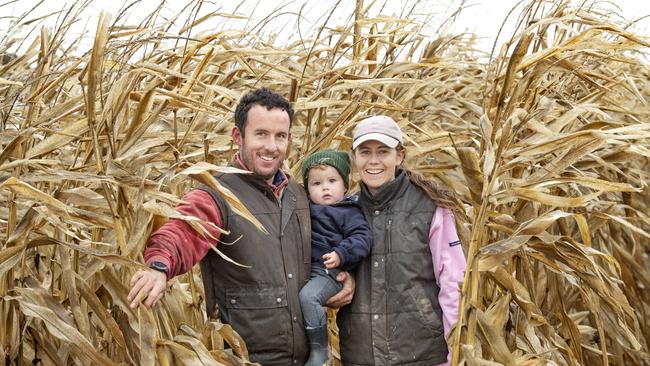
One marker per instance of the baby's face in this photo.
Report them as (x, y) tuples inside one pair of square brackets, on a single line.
[(325, 185)]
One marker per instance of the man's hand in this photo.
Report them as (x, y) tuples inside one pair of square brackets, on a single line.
[(149, 285), (344, 296), (331, 260)]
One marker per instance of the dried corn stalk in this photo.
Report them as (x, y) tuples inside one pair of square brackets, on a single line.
[(546, 146)]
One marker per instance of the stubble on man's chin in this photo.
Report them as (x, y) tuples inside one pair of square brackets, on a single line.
[(266, 177)]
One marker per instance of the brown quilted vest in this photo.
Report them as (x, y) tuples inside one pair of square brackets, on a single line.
[(261, 303)]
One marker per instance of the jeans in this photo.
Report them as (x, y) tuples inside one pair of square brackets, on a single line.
[(321, 286)]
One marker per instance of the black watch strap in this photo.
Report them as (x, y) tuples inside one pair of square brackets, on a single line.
[(159, 266)]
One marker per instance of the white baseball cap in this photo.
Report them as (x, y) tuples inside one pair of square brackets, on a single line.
[(379, 128)]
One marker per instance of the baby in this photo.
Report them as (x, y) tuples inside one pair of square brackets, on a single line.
[(340, 239)]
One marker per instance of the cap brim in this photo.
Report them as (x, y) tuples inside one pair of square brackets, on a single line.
[(386, 140)]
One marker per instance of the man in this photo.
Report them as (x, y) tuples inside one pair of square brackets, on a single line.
[(261, 302)]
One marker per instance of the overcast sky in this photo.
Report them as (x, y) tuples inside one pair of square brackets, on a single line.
[(481, 17)]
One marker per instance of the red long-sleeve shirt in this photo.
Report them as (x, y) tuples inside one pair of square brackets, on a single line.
[(178, 245)]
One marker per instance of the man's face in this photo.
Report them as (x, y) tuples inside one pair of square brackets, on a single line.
[(266, 138)]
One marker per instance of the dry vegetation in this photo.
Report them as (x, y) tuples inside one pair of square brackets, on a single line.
[(547, 146)]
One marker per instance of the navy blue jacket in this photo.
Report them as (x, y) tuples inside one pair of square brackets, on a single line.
[(340, 227)]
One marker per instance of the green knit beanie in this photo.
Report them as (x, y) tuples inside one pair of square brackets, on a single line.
[(339, 160)]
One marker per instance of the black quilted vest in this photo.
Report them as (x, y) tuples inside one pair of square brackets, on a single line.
[(395, 318)]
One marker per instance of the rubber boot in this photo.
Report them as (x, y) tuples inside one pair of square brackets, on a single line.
[(318, 354)]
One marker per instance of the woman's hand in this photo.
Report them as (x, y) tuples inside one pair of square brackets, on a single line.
[(344, 296)]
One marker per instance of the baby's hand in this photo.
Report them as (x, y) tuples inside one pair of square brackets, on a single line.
[(331, 260)]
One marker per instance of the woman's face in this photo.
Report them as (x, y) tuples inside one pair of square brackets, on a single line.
[(376, 163)]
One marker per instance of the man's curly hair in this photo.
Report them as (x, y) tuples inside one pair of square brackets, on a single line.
[(264, 97)]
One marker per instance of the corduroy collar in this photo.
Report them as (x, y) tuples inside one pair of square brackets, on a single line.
[(280, 180), (386, 193)]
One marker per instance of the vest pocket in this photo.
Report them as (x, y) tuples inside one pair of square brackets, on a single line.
[(355, 338), (261, 316), (430, 313), (415, 314), (405, 327), (304, 223)]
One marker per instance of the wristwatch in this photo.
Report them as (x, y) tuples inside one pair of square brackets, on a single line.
[(159, 266)]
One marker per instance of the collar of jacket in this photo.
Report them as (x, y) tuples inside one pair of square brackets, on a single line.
[(280, 180), (345, 202), (386, 193)]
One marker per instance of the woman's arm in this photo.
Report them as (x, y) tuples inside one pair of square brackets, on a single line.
[(448, 264)]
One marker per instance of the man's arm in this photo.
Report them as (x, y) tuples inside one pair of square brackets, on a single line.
[(344, 296), (177, 246)]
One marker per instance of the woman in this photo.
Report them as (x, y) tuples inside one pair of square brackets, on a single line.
[(406, 297)]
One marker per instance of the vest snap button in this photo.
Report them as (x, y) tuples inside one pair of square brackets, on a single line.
[(376, 264), (290, 276), (279, 300), (375, 316), (377, 212), (233, 301)]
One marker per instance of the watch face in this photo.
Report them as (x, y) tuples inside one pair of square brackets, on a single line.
[(158, 266)]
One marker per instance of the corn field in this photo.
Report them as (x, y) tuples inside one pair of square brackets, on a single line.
[(546, 144)]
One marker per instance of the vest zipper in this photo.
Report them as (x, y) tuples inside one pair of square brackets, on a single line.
[(388, 237), (389, 250)]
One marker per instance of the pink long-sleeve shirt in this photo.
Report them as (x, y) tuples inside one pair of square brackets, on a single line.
[(448, 266)]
